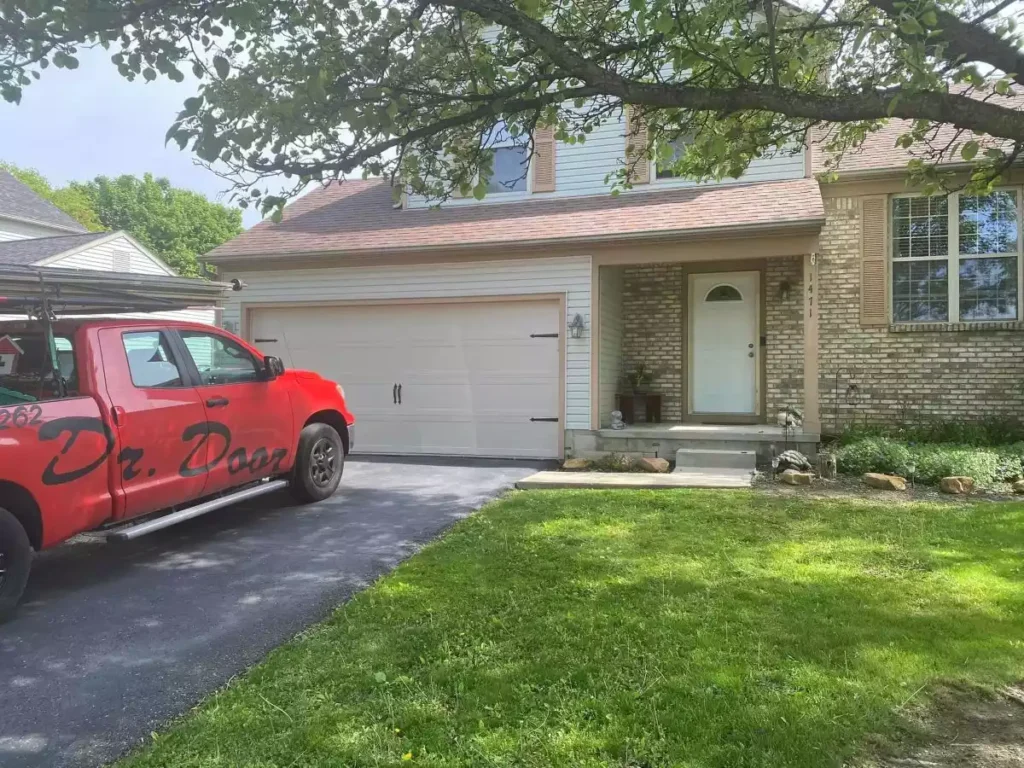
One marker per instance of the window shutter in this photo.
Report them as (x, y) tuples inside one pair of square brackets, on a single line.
[(639, 167), (874, 227), (544, 159)]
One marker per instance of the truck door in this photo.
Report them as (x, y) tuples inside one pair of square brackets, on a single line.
[(253, 414), (159, 417)]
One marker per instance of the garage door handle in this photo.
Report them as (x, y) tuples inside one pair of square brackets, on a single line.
[(399, 394), (544, 418), (394, 394), (266, 341)]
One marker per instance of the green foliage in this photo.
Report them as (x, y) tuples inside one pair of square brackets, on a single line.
[(69, 200), (176, 224), (410, 88), (590, 629), (930, 462), (984, 432)]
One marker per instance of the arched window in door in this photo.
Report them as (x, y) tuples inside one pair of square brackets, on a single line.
[(723, 293)]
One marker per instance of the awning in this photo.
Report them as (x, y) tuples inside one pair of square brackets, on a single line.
[(25, 290)]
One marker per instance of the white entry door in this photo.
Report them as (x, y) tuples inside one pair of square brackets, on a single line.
[(724, 347), (478, 378)]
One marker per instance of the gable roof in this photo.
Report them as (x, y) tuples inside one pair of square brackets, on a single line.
[(359, 217), (18, 201), (24, 253)]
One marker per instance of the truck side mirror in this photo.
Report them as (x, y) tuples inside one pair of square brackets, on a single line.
[(273, 367)]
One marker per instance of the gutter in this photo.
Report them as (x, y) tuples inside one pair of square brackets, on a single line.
[(800, 226)]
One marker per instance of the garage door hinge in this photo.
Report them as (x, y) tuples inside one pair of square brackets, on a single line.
[(544, 418), (543, 335)]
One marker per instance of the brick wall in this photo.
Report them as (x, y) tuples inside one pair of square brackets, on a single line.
[(903, 376), (652, 329), (784, 335)]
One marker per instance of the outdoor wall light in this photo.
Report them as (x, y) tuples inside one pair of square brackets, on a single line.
[(576, 327)]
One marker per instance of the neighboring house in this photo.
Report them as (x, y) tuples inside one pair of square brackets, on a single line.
[(34, 232), (504, 327)]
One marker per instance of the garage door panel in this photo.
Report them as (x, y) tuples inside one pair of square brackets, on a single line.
[(471, 375)]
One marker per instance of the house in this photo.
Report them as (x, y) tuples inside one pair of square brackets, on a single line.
[(34, 232), (504, 327)]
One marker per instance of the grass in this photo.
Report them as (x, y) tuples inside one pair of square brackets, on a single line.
[(637, 630)]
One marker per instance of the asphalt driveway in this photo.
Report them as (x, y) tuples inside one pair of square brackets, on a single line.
[(115, 640)]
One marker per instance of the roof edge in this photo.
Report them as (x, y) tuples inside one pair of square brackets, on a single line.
[(811, 225), (49, 225)]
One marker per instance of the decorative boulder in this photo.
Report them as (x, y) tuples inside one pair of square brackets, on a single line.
[(1018, 487), (652, 465), (794, 477), (956, 484), (577, 465), (885, 482), (793, 460)]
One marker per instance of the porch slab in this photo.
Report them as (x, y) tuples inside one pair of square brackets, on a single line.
[(718, 478), (761, 433)]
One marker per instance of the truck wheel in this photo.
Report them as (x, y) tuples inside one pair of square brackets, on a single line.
[(319, 463), (15, 562)]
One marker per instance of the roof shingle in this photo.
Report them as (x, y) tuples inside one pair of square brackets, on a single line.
[(23, 253), (358, 216), (18, 201)]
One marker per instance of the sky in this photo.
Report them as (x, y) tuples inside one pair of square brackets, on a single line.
[(73, 125)]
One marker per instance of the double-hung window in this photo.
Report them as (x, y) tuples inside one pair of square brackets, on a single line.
[(956, 258), (510, 161)]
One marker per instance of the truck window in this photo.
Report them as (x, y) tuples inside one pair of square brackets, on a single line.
[(26, 370), (150, 360), (220, 360)]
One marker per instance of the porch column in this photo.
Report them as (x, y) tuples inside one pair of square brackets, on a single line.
[(812, 418)]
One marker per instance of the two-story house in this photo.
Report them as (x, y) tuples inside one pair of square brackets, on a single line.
[(509, 326)]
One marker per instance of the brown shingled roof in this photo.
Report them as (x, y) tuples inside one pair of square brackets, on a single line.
[(358, 217)]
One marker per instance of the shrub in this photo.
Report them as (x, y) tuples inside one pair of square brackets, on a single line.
[(931, 461), (988, 432)]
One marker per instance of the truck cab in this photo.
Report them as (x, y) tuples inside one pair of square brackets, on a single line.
[(133, 425)]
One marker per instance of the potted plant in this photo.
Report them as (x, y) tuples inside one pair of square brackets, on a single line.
[(638, 378)]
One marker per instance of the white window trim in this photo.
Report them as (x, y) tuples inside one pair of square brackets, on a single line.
[(953, 258)]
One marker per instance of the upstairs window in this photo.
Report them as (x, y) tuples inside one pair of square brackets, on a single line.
[(665, 164), (956, 258), (510, 162)]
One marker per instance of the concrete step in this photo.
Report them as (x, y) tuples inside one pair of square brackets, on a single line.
[(698, 459)]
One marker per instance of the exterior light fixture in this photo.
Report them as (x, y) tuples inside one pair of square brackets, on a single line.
[(576, 327)]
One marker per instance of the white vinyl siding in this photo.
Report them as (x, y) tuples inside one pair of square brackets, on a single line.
[(610, 323), (589, 168), (569, 276), (111, 256), (11, 229)]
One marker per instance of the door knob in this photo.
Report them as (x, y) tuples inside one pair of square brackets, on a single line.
[(750, 354), (750, 346)]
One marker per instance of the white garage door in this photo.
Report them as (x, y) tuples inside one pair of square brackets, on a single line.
[(476, 378)]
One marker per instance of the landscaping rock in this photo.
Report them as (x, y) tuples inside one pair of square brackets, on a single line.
[(577, 465), (794, 460), (885, 482), (956, 484), (795, 477), (652, 465), (1018, 487)]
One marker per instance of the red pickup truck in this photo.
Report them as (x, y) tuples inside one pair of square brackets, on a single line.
[(134, 425)]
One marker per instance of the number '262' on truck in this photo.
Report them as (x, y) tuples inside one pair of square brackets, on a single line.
[(106, 423)]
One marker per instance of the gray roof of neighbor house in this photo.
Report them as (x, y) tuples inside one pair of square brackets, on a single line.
[(24, 253), (359, 216), (18, 201)]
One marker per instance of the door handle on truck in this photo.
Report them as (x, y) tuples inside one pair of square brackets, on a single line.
[(216, 402)]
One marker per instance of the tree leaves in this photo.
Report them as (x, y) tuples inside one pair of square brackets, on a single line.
[(222, 67)]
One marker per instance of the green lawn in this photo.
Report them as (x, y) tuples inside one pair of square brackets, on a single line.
[(637, 630)]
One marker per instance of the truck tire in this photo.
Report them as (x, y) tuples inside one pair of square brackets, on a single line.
[(15, 563), (319, 462)]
